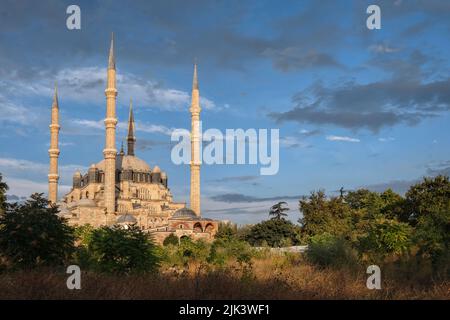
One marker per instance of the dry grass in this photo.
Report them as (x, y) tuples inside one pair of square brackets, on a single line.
[(271, 277)]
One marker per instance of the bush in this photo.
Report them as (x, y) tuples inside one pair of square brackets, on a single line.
[(223, 251), (32, 234), (328, 250), (171, 239), (275, 232), (118, 250)]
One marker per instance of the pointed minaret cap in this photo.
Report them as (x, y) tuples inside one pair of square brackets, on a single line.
[(55, 98), (111, 60), (131, 121), (195, 80)]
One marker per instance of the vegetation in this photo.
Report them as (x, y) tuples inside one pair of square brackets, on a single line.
[(278, 210), (3, 189), (119, 250), (31, 234), (408, 237)]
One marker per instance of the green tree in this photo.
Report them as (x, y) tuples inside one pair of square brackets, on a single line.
[(322, 215), (274, 232), (171, 239), (226, 231), (3, 189), (427, 208), (32, 234), (123, 251), (278, 210), (384, 236)]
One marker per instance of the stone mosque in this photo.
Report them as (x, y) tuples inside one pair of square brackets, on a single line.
[(123, 189)]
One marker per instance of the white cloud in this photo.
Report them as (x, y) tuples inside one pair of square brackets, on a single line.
[(342, 138), (25, 187), (386, 139), (382, 48)]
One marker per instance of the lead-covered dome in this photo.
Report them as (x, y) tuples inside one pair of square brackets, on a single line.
[(127, 162), (184, 213)]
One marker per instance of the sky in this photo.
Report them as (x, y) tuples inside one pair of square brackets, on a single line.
[(354, 107)]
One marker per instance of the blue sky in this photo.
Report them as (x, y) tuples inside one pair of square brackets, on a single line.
[(355, 107)]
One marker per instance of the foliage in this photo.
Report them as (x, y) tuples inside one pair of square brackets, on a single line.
[(171, 239), (223, 251), (119, 250), (32, 234), (226, 231), (428, 209), (322, 215), (328, 250), (278, 210), (383, 237), (3, 189), (273, 232)]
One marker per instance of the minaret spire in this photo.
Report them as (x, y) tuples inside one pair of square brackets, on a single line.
[(111, 60), (131, 139), (195, 145), (53, 152), (110, 151)]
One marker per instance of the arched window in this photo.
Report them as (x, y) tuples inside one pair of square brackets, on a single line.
[(198, 227), (209, 227)]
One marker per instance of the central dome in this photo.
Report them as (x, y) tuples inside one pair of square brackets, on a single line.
[(127, 162)]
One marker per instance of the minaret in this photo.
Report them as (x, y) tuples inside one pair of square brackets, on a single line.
[(131, 139), (53, 152), (195, 145), (110, 151)]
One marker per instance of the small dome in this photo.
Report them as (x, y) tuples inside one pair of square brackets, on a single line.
[(163, 175), (184, 213), (126, 218), (77, 174), (86, 203), (156, 169)]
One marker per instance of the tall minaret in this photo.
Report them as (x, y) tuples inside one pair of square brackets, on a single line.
[(110, 125), (131, 139), (53, 152), (195, 145)]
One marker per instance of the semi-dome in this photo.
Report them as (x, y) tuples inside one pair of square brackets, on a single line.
[(127, 162), (86, 203), (184, 213), (126, 218)]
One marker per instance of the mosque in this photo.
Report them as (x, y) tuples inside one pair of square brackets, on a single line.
[(123, 189)]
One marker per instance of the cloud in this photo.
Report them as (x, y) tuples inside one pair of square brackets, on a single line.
[(342, 138), (382, 48), (294, 58), (235, 179), (386, 139), (411, 92), (241, 198), (293, 142)]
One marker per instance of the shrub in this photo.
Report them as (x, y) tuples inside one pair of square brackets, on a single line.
[(328, 250), (32, 234), (275, 232), (119, 250), (223, 251), (383, 237), (171, 239)]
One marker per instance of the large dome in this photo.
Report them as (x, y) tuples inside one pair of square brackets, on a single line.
[(127, 162)]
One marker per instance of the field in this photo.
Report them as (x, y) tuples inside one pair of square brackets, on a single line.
[(269, 276)]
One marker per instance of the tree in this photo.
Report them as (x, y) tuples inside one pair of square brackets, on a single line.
[(32, 234), (226, 231), (171, 239), (383, 236), (274, 232), (427, 208), (278, 211), (3, 189), (322, 215), (122, 251)]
